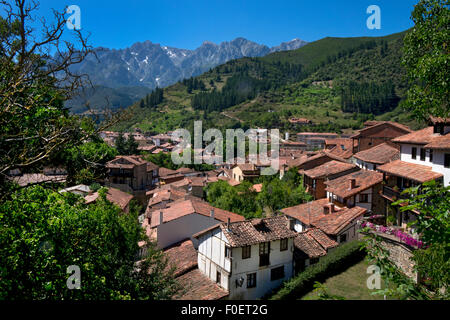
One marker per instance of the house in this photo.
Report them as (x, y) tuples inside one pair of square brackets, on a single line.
[(161, 197), (315, 140), (309, 162), (160, 139), (339, 224), (292, 145), (300, 121), (341, 147), (167, 176), (244, 171), (309, 247), (132, 174), (429, 147), (181, 219), (361, 188), (247, 258), (376, 133), (119, 198), (371, 158), (314, 179)]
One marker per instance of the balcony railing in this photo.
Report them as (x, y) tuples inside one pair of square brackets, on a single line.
[(411, 239), (392, 193)]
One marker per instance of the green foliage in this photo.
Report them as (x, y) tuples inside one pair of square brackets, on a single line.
[(322, 292), (275, 194), (86, 163), (126, 147), (43, 232), (333, 263), (426, 58)]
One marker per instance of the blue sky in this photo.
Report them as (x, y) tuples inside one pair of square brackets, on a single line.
[(187, 23)]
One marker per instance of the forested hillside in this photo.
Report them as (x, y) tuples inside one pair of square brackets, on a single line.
[(337, 82)]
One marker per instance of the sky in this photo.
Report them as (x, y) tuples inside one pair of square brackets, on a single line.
[(188, 23)]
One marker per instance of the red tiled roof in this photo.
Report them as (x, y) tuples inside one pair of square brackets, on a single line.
[(199, 287), (379, 154), (307, 212), (249, 232), (317, 134), (120, 198), (440, 142), (371, 130), (322, 238), (423, 136), (35, 178), (412, 171), (182, 208), (343, 147), (304, 160), (364, 179), (329, 168), (333, 223), (163, 172), (257, 187), (307, 244), (182, 256), (439, 120)]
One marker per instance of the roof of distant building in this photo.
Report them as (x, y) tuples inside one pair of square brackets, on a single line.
[(334, 222), (197, 286), (182, 256), (329, 168), (307, 212), (120, 198)]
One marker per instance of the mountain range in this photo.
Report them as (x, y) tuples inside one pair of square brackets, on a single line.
[(153, 65)]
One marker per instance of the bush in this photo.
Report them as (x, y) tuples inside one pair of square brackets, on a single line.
[(334, 263)]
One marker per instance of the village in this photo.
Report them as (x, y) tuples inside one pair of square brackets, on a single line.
[(218, 254)]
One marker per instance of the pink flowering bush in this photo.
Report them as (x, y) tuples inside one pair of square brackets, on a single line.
[(404, 237)]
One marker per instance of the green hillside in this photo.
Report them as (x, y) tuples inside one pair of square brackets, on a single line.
[(308, 82)]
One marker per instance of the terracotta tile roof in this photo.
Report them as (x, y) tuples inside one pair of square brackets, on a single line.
[(412, 171), (379, 154), (169, 194), (377, 129), (151, 166), (439, 120), (120, 198), (322, 238), (185, 170), (343, 147), (257, 187), (423, 136), (300, 120), (198, 181), (179, 209), (231, 182), (249, 232), (440, 142), (163, 172), (35, 178), (307, 244), (318, 134), (329, 168), (364, 179), (335, 222), (199, 287), (304, 160), (181, 255), (372, 123), (307, 212)]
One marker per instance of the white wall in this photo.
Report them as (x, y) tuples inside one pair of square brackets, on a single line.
[(365, 165), (182, 228), (438, 160), (211, 258)]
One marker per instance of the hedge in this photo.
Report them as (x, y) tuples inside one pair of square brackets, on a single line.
[(333, 263)]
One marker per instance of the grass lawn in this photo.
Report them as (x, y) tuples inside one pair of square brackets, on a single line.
[(350, 284)]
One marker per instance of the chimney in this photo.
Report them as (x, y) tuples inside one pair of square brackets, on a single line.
[(228, 225), (332, 209), (286, 136), (211, 214), (326, 209), (352, 183), (161, 216)]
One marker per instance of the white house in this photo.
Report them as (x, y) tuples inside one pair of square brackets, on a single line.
[(428, 147), (248, 258), (183, 218)]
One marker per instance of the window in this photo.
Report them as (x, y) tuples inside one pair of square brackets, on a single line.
[(431, 155), (246, 252), (342, 238), (363, 198), (283, 244), (251, 280), (264, 249), (422, 154), (447, 160), (227, 252), (218, 277), (277, 273), (414, 153)]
